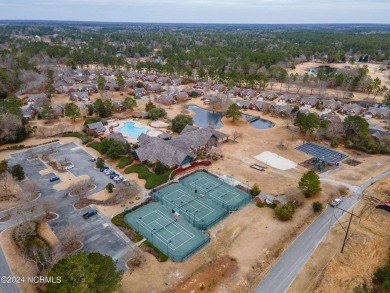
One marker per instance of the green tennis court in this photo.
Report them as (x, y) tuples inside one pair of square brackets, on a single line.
[(196, 208), (175, 237), (228, 197)]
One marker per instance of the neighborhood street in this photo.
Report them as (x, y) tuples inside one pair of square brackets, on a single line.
[(284, 272)]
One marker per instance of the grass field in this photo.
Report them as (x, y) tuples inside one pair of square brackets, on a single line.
[(152, 180), (124, 162), (95, 145)]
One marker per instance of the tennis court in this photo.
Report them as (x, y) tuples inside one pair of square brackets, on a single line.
[(196, 208), (175, 237), (219, 192), (321, 152)]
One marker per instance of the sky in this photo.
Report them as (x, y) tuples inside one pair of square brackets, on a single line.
[(201, 11)]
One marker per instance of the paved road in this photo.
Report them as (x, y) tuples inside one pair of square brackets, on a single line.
[(6, 271), (284, 272)]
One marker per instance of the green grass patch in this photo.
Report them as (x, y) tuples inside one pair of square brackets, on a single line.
[(96, 146), (84, 138), (124, 162), (152, 180), (266, 205)]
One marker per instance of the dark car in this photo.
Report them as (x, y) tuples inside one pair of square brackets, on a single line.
[(103, 168), (55, 178), (113, 175), (89, 214)]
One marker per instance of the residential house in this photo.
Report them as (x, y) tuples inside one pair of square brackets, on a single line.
[(202, 85), (331, 105), (79, 96), (244, 104), (177, 81), (269, 199), (290, 98), (151, 78), (379, 113), (218, 88), (352, 109), (152, 87), (165, 99), (139, 92), (28, 112), (331, 118), (182, 96), (96, 128), (163, 80), (310, 102), (91, 89), (268, 95), (32, 98), (58, 111), (248, 93), (283, 110)]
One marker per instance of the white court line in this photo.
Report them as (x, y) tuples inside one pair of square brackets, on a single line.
[(187, 196), (214, 186), (163, 239)]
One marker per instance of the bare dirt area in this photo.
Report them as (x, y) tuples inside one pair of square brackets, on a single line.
[(329, 270)]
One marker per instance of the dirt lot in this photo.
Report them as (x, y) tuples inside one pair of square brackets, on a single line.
[(367, 249)]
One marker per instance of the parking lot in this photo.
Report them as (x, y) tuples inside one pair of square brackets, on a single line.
[(99, 233)]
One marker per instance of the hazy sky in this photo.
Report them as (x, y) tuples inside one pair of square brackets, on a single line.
[(201, 11)]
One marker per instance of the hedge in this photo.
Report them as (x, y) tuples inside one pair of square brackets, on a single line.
[(162, 257), (124, 162), (152, 180), (21, 146)]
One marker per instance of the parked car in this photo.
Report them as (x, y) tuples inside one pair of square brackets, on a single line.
[(336, 202), (113, 175), (92, 160), (108, 171), (103, 169), (89, 214), (55, 178), (71, 166)]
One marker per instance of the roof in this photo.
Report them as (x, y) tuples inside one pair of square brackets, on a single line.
[(97, 126), (117, 135)]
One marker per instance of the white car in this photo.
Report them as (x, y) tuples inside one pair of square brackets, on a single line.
[(108, 171), (71, 166), (336, 202)]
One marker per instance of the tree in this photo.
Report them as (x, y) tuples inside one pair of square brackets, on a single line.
[(129, 103), (77, 274), (3, 166), (180, 121), (49, 89), (382, 275), (317, 206), (104, 108), (109, 187), (120, 81), (47, 112), (386, 100), (99, 163), (72, 111), (70, 236), (159, 169), (114, 148), (285, 212), (310, 183), (17, 172), (255, 190), (149, 106), (101, 82), (108, 278), (233, 112), (355, 127), (156, 113), (307, 123)]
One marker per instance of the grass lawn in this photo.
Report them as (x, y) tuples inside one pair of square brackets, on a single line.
[(95, 145), (84, 138), (152, 180), (124, 162)]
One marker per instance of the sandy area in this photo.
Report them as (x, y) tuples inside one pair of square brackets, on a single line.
[(367, 249)]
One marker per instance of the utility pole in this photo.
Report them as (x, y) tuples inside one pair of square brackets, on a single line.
[(346, 233)]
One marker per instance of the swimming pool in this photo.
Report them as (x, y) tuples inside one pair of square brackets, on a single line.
[(129, 129)]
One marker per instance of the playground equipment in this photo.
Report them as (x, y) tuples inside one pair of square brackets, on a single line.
[(318, 163)]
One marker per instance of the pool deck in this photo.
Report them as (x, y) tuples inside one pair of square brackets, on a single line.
[(120, 123)]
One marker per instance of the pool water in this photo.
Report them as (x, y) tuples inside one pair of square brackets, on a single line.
[(206, 118), (129, 129)]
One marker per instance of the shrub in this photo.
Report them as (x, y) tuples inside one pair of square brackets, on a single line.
[(124, 162), (152, 180), (180, 121), (285, 212), (99, 163), (17, 172), (255, 190), (110, 187), (317, 206), (162, 257), (159, 169), (334, 143), (156, 113)]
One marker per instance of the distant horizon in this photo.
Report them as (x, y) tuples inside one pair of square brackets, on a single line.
[(200, 11), (200, 23)]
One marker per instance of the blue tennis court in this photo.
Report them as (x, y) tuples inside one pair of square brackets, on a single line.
[(321, 152)]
